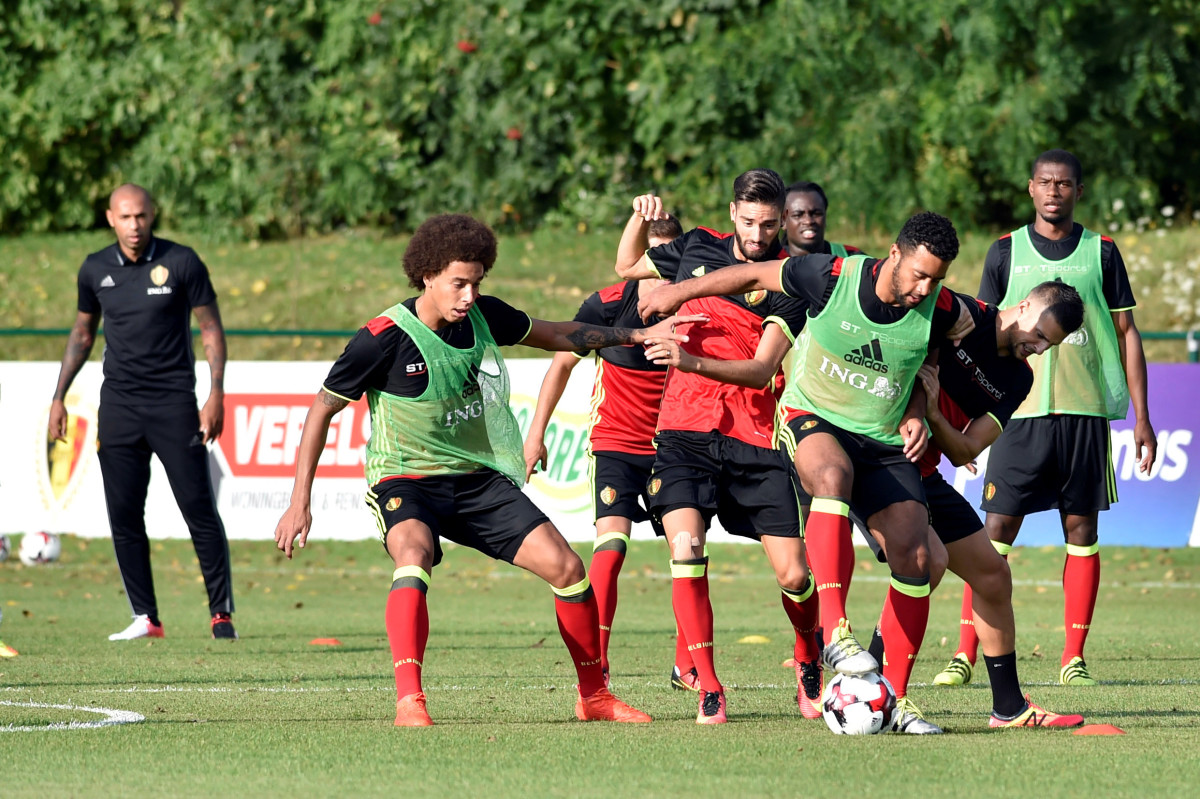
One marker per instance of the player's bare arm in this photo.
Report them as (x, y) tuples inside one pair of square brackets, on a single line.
[(293, 527), (756, 372), (635, 239), (1133, 358), (960, 446), (738, 279), (212, 338), (553, 385), (79, 347), (575, 336)]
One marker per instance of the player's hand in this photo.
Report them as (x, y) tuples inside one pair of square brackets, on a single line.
[(928, 373), (662, 301), (665, 330), (293, 529), (972, 467), (1145, 445), (964, 325), (649, 207), (212, 417), (57, 428), (669, 353), (535, 453), (915, 438)]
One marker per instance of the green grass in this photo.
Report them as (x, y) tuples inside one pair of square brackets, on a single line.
[(271, 715), (338, 282)]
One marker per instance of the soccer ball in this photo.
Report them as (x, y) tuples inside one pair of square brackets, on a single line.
[(5, 547), (39, 548), (859, 704)]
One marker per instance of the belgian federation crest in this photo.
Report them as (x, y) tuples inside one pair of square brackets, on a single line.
[(608, 495), (654, 486), (159, 275), (989, 491), (755, 297), (394, 503)]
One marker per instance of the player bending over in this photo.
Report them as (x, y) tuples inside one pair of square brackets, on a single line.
[(970, 396)]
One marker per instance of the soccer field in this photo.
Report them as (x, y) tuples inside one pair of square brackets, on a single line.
[(273, 715)]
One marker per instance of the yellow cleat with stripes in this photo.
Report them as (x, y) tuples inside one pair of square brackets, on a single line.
[(1075, 673), (958, 672)]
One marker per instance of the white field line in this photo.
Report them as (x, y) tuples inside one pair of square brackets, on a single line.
[(447, 688), (513, 573), (111, 717)]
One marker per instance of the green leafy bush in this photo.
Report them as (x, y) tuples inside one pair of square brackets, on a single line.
[(268, 120)]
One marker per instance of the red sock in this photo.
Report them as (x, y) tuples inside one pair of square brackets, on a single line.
[(905, 616), (579, 626), (803, 610), (689, 596), (1081, 581), (406, 619), (683, 656), (968, 640), (830, 556), (608, 554)]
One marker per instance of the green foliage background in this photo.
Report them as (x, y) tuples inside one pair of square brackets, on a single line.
[(264, 120)]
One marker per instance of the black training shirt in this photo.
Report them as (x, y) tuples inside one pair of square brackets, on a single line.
[(383, 357), (146, 307), (993, 284)]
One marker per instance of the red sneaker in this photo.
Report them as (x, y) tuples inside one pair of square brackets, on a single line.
[(1034, 716), (411, 712), (712, 708), (603, 706), (808, 680)]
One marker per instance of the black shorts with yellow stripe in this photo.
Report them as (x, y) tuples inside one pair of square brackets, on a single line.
[(619, 486), (482, 510), (752, 490), (1061, 462)]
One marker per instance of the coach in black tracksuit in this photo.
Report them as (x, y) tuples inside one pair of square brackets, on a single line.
[(145, 287)]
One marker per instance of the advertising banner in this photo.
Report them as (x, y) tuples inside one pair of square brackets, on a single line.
[(56, 486)]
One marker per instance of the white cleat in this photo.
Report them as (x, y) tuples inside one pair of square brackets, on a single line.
[(844, 655), (910, 721), (140, 628)]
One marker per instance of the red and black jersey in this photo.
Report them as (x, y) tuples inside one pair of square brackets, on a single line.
[(628, 387), (975, 380), (735, 327)]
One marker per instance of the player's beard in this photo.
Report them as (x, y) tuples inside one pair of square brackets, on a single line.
[(764, 255)]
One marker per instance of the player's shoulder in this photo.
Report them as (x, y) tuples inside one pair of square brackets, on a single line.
[(613, 293), (708, 234)]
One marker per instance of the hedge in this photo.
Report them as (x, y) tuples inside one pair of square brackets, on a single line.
[(249, 119)]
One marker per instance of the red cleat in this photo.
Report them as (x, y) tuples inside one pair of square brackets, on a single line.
[(808, 680), (603, 706), (1034, 716), (411, 712)]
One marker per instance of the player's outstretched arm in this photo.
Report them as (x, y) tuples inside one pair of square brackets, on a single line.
[(756, 372), (79, 347), (293, 527), (1133, 358), (635, 239), (577, 336), (212, 337), (737, 279), (553, 385), (961, 447)]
